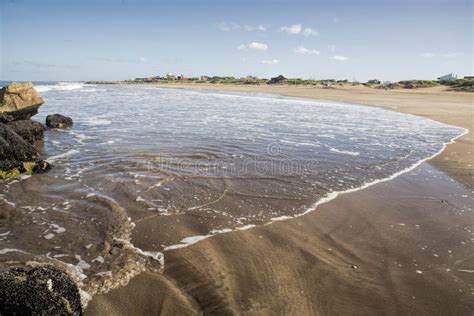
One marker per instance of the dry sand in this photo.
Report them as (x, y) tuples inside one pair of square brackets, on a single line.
[(358, 254)]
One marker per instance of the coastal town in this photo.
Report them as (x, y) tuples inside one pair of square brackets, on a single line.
[(451, 81)]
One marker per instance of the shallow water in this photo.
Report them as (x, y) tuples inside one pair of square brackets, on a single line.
[(227, 160)]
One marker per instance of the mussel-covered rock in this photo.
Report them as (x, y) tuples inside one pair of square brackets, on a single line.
[(29, 130), (38, 291), (17, 155), (58, 121), (5, 118), (13, 147)]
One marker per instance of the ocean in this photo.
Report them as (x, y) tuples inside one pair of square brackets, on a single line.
[(224, 161)]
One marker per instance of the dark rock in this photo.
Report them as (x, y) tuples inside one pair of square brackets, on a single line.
[(20, 100), (29, 130), (10, 168), (41, 166), (277, 80), (17, 156), (58, 121), (5, 118), (39, 291), (13, 148)]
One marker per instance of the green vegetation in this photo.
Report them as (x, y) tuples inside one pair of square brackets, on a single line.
[(414, 84), (25, 168), (459, 84), (456, 85)]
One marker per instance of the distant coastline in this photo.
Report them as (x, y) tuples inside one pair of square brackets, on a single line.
[(451, 83)]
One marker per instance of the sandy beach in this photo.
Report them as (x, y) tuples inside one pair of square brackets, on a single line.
[(400, 247)]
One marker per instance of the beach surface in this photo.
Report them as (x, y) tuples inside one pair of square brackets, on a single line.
[(403, 246)]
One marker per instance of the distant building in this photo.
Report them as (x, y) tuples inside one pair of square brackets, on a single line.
[(182, 78), (170, 76), (469, 77), (277, 80), (448, 77), (205, 78), (374, 81)]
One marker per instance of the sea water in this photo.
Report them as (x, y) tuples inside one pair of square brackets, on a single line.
[(214, 160)]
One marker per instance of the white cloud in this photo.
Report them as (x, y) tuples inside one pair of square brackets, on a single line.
[(428, 55), (340, 58), (228, 26), (143, 60), (332, 48), (254, 46), (251, 28), (301, 50), (453, 55), (292, 29), (232, 26), (270, 62), (310, 32), (445, 55), (298, 29)]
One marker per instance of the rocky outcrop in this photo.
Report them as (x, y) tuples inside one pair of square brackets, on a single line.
[(20, 100), (19, 134), (58, 121), (17, 155), (14, 149), (29, 130), (5, 118), (39, 291)]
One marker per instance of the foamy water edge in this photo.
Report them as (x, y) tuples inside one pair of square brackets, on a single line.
[(191, 240)]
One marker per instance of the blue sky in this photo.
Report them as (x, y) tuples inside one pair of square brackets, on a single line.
[(85, 40)]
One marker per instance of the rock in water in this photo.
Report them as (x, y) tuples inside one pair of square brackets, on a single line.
[(58, 121), (39, 291), (29, 130), (20, 100), (17, 156)]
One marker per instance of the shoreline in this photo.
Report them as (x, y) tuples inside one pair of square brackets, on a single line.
[(369, 252), (325, 199), (194, 280), (454, 159)]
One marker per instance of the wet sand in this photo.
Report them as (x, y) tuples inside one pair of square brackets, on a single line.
[(399, 247)]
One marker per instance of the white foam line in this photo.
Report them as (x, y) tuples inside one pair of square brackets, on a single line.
[(156, 255), (329, 197), (332, 195), (278, 97), (63, 155), (188, 241), (7, 250)]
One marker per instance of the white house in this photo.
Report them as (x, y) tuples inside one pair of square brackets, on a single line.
[(448, 77)]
